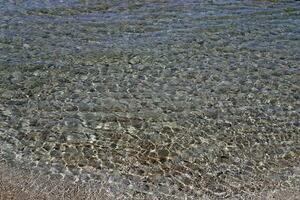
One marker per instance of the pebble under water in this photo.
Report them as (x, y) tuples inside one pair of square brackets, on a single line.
[(153, 99)]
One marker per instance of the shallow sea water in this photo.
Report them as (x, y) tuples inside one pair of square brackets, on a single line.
[(153, 99)]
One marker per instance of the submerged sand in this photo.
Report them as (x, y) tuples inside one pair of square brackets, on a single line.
[(19, 184), (151, 99)]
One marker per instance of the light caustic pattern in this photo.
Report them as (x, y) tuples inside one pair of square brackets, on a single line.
[(154, 99)]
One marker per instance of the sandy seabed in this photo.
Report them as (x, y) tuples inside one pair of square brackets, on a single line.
[(18, 184), (153, 99)]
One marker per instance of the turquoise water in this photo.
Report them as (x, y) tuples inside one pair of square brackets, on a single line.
[(153, 99)]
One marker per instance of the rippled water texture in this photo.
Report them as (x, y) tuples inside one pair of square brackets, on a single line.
[(153, 99)]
